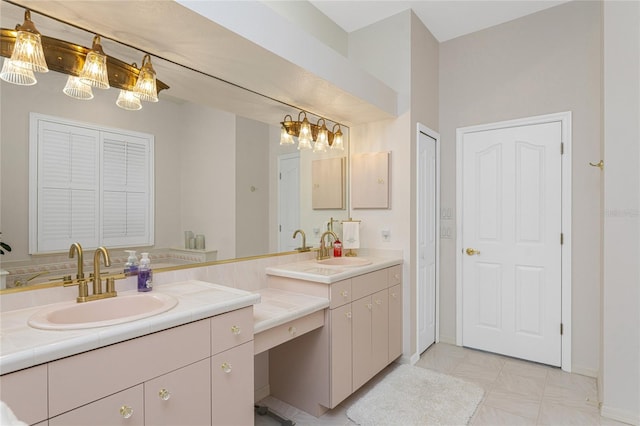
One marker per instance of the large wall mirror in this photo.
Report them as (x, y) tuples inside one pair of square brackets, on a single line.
[(218, 164)]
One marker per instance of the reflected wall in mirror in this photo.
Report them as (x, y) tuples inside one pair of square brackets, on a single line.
[(218, 164)]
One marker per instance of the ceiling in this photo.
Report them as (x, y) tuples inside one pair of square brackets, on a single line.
[(446, 19)]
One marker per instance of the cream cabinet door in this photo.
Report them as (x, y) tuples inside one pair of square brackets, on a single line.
[(182, 397), (379, 331), (25, 392), (340, 347), (362, 329), (124, 408), (395, 322), (232, 386)]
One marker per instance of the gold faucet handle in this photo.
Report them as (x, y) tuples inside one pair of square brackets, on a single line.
[(83, 289), (111, 286)]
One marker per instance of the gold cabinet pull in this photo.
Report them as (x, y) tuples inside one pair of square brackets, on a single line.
[(235, 329), (226, 367), (472, 252)]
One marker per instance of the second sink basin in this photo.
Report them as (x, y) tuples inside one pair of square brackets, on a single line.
[(345, 261), (100, 313)]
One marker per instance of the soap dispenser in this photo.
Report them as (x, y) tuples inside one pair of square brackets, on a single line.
[(145, 275), (131, 267)]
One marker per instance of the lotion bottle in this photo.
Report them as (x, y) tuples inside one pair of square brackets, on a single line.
[(145, 275), (131, 267)]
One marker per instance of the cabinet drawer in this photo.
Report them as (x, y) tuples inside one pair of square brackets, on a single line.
[(86, 377), (395, 275), (370, 283), (340, 293), (107, 411), (231, 329), (25, 392), (285, 332)]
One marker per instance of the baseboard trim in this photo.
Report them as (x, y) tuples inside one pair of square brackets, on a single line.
[(262, 393), (447, 339), (584, 371), (411, 360), (620, 415)]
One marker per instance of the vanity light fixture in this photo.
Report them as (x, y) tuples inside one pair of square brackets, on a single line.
[(76, 89), (304, 135), (14, 74), (27, 50), (93, 66), (322, 142), (338, 143), (286, 138), (146, 84), (94, 70), (307, 133), (128, 100)]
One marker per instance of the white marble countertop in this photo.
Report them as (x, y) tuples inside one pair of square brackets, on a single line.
[(22, 346), (311, 270), (278, 307)]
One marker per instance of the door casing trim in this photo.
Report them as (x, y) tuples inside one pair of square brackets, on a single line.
[(565, 119)]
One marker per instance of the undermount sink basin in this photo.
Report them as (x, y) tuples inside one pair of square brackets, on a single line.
[(100, 313), (345, 261)]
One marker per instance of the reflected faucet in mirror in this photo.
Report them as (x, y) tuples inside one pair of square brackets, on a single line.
[(324, 252), (304, 241), (20, 283)]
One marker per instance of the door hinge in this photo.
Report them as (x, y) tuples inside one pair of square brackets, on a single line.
[(280, 176), (279, 228), (561, 238), (561, 148), (561, 329)]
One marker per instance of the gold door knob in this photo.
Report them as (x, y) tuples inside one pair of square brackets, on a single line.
[(471, 251)]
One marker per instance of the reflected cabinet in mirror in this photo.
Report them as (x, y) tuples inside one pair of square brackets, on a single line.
[(218, 168)]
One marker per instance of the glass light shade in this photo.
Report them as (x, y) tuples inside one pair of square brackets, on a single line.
[(285, 137), (338, 142), (146, 83), (27, 50), (77, 89), (94, 71), (128, 100), (11, 73), (322, 142), (304, 138)]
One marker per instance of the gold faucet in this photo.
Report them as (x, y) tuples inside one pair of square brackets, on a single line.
[(324, 252), (77, 248), (97, 281), (304, 240)]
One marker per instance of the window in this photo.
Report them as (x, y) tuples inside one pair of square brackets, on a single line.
[(88, 184)]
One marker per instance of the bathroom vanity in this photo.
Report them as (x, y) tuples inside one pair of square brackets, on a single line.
[(362, 333), (191, 365)]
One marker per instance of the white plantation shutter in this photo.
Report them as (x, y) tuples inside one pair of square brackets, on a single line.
[(126, 190), (67, 186), (90, 185)]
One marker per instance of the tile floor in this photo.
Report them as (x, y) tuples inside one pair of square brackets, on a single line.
[(516, 392)]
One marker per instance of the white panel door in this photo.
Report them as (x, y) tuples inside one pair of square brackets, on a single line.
[(427, 234), (288, 200), (511, 230)]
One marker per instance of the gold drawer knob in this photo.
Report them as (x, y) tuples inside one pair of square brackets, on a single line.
[(344, 293), (226, 367), (348, 315), (292, 330), (126, 411), (235, 329), (164, 394)]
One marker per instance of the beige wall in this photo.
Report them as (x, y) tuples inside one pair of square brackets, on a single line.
[(620, 364), (543, 63), (403, 54)]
